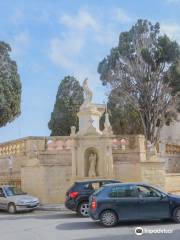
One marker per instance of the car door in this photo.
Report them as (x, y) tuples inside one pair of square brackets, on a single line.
[(152, 203), (124, 200), (3, 201)]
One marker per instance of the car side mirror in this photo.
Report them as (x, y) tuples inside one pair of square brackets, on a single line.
[(163, 196), (2, 195)]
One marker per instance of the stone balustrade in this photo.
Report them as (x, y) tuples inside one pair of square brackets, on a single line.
[(58, 143), (12, 148), (172, 149)]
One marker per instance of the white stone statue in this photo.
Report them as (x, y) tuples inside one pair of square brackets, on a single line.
[(92, 165), (107, 124), (73, 131), (87, 92)]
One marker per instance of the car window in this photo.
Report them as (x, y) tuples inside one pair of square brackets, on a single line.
[(92, 186), (123, 192), (105, 182), (1, 193), (13, 191), (144, 191)]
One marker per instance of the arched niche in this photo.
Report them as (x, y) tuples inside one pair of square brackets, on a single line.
[(87, 154)]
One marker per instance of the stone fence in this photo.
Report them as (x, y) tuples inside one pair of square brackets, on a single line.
[(173, 183), (43, 165)]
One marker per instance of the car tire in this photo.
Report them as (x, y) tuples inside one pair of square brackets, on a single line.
[(83, 209), (11, 208), (108, 218), (176, 215)]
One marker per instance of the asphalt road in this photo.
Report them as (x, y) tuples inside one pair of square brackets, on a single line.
[(40, 225)]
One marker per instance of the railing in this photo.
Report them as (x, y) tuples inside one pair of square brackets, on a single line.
[(172, 149), (58, 143), (10, 181), (12, 148)]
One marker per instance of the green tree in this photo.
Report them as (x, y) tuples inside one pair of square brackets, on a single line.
[(140, 68), (124, 118), (68, 100), (10, 86), (175, 79)]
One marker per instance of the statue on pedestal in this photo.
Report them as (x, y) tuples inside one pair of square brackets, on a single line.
[(87, 92), (92, 165), (107, 124)]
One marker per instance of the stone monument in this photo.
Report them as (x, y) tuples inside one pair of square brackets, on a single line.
[(91, 148)]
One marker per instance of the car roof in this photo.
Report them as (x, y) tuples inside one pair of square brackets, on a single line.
[(126, 184), (96, 180), (6, 186)]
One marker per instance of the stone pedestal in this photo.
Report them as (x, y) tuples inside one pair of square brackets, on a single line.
[(153, 168), (88, 119), (91, 148)]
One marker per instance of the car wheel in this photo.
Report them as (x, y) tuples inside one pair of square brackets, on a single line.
[(83, 209), (12, 208), (108, 218), (176, 215)]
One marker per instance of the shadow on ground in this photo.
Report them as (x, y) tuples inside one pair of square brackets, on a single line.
[(94, 225)]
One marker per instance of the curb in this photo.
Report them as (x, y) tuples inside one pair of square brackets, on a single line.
[(51, 208)]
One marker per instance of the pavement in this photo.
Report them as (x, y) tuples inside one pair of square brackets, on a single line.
[(52, 207), (66, 225)]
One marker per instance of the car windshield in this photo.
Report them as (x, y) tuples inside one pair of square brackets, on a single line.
[(13, 191)]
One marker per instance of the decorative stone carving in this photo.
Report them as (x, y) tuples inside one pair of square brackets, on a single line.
[(87, 93), (151, 149), (73, 131), (12, 148), (92, 165), (172, 149), (89, 114), (107, 125)]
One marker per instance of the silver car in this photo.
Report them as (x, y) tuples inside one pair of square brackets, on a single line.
[(13, 200)]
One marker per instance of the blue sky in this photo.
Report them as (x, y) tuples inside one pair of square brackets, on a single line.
[(54, 38)]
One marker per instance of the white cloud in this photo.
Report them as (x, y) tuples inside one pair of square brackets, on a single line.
[(65, 54), (172, 30), (68, 50), (121, 15), (20, 43), (173, 1), (81, 21), (17, 17)]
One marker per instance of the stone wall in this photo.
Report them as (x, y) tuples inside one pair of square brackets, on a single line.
[(43, 165), (173, 183), (11, 156), (48, 176), (128, 152)]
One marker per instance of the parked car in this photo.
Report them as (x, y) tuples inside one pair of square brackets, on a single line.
[(13, 200), (132, 201), (77, 197)]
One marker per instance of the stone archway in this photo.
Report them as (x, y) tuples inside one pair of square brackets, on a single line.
[(91, 158)]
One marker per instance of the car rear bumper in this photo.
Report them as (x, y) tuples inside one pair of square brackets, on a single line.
[(71, 205), (94, 215)]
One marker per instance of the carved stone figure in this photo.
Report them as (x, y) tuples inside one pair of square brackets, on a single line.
[(92, 165), (87, 92), (73, 131)]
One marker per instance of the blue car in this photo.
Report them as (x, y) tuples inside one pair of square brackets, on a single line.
[(132, 201)]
